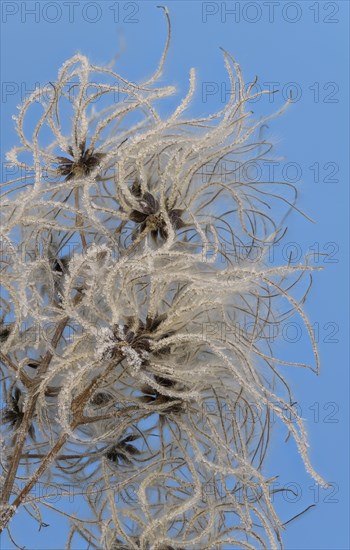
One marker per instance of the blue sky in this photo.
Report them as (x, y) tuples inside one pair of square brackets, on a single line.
[(298, 46)]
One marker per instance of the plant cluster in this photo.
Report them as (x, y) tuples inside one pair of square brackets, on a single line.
[(113, 368)]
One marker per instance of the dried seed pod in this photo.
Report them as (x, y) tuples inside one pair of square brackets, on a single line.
[(5, 331), (80, 166), (123, 452), (13, 413)]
